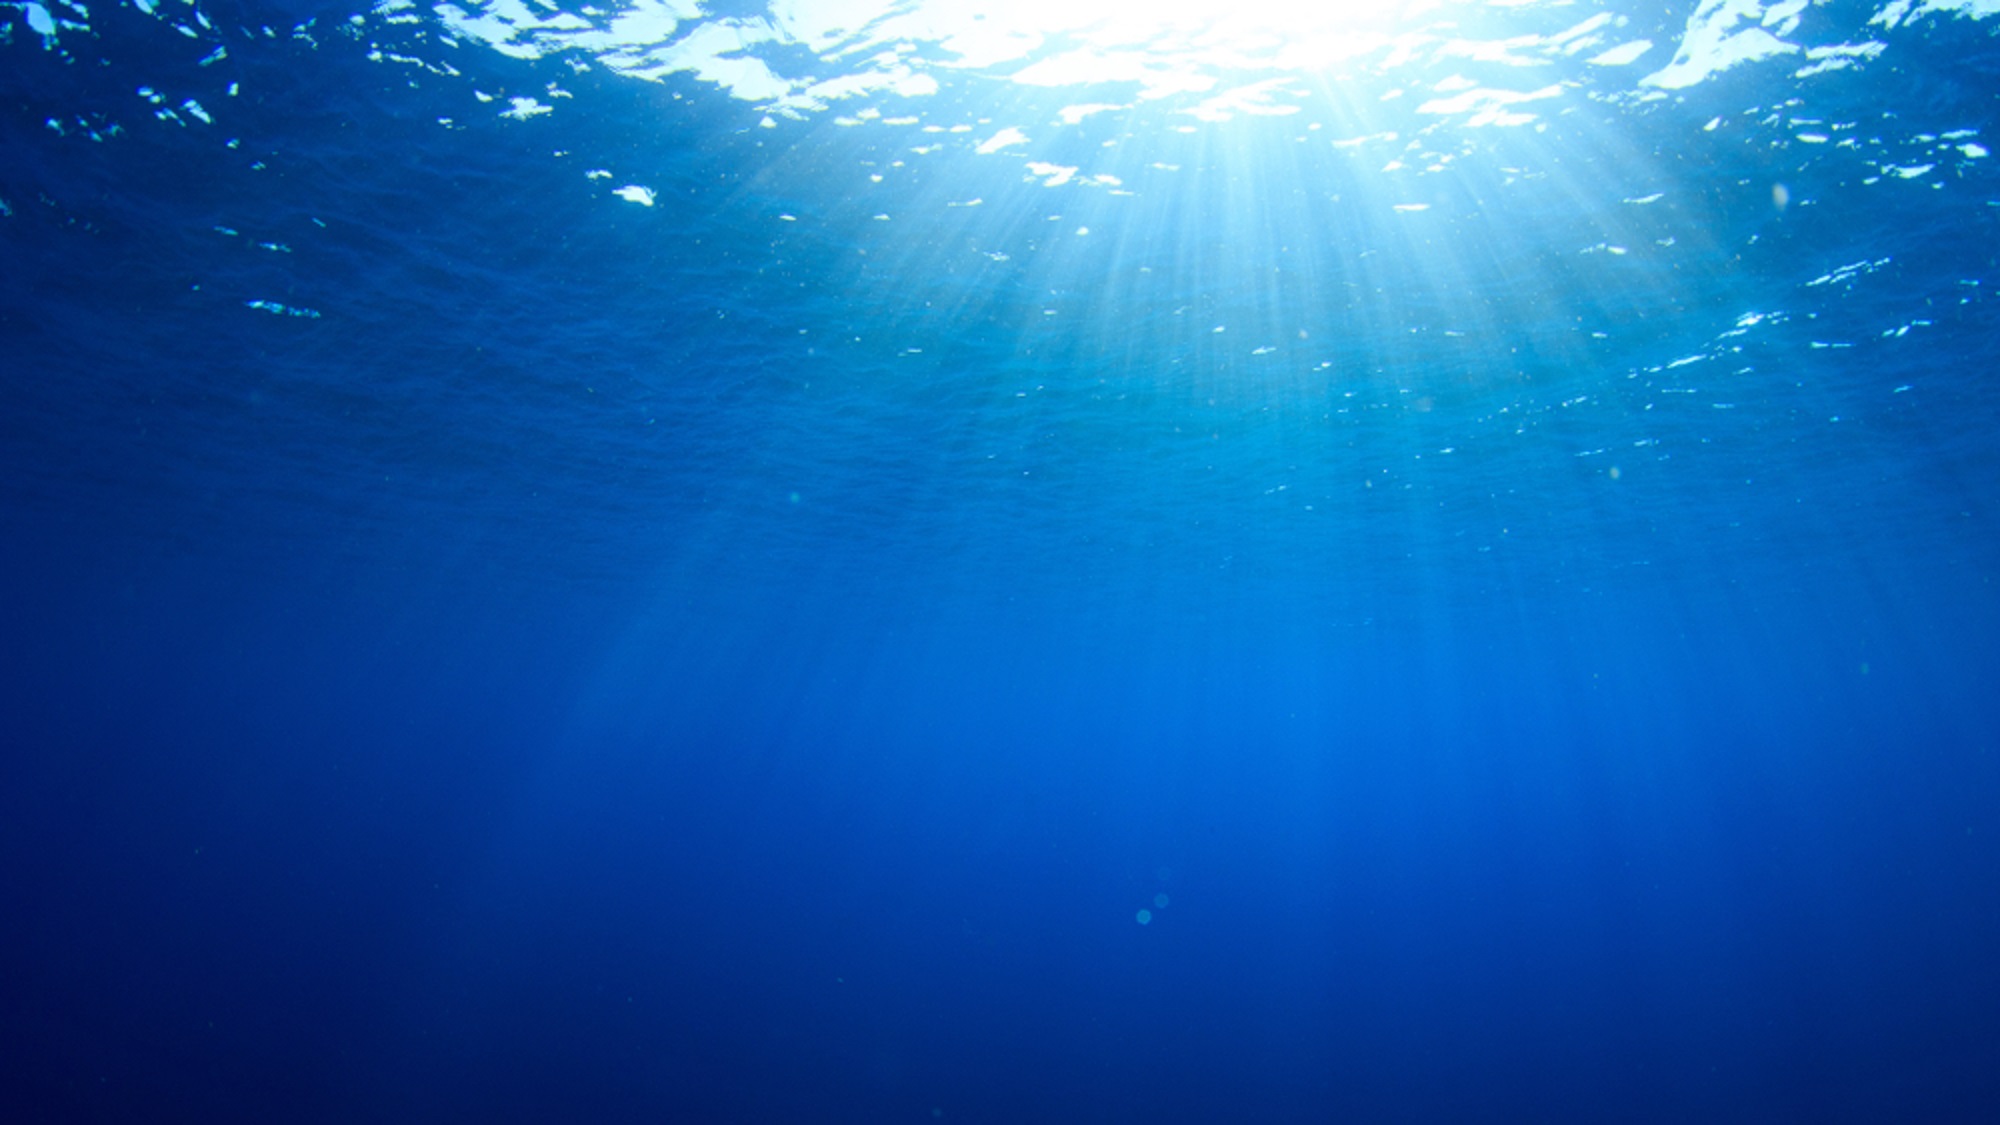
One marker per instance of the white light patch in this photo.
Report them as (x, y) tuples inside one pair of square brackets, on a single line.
[(1254, 99), (1712, 43), (1056, 174), (1837, 57), (1489, 107), (524, 108), (633, 193), (1071, 114), (1002, 139), (39, 20), (1625, 54)]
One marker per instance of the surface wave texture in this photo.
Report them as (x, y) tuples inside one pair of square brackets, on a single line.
[(848, 561)]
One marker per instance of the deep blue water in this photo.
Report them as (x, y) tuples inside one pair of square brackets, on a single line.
[(1356, 614)]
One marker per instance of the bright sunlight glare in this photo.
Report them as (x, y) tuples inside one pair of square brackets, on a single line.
[(980, 32), (1271, 16)]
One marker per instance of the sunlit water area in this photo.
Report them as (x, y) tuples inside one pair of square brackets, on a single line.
[(839, 560)]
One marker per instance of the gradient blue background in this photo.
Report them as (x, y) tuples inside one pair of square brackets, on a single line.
[(595, 671)]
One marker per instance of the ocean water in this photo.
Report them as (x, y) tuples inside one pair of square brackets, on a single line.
[(862, 562)]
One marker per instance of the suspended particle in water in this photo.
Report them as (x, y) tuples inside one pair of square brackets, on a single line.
[(1145, 916)]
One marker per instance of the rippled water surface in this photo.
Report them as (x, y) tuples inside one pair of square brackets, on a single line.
[(860, 561)]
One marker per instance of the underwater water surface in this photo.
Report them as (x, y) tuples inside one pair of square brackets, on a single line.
[(838, 560)]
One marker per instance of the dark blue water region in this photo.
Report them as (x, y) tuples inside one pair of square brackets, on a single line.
[(407, 847)]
